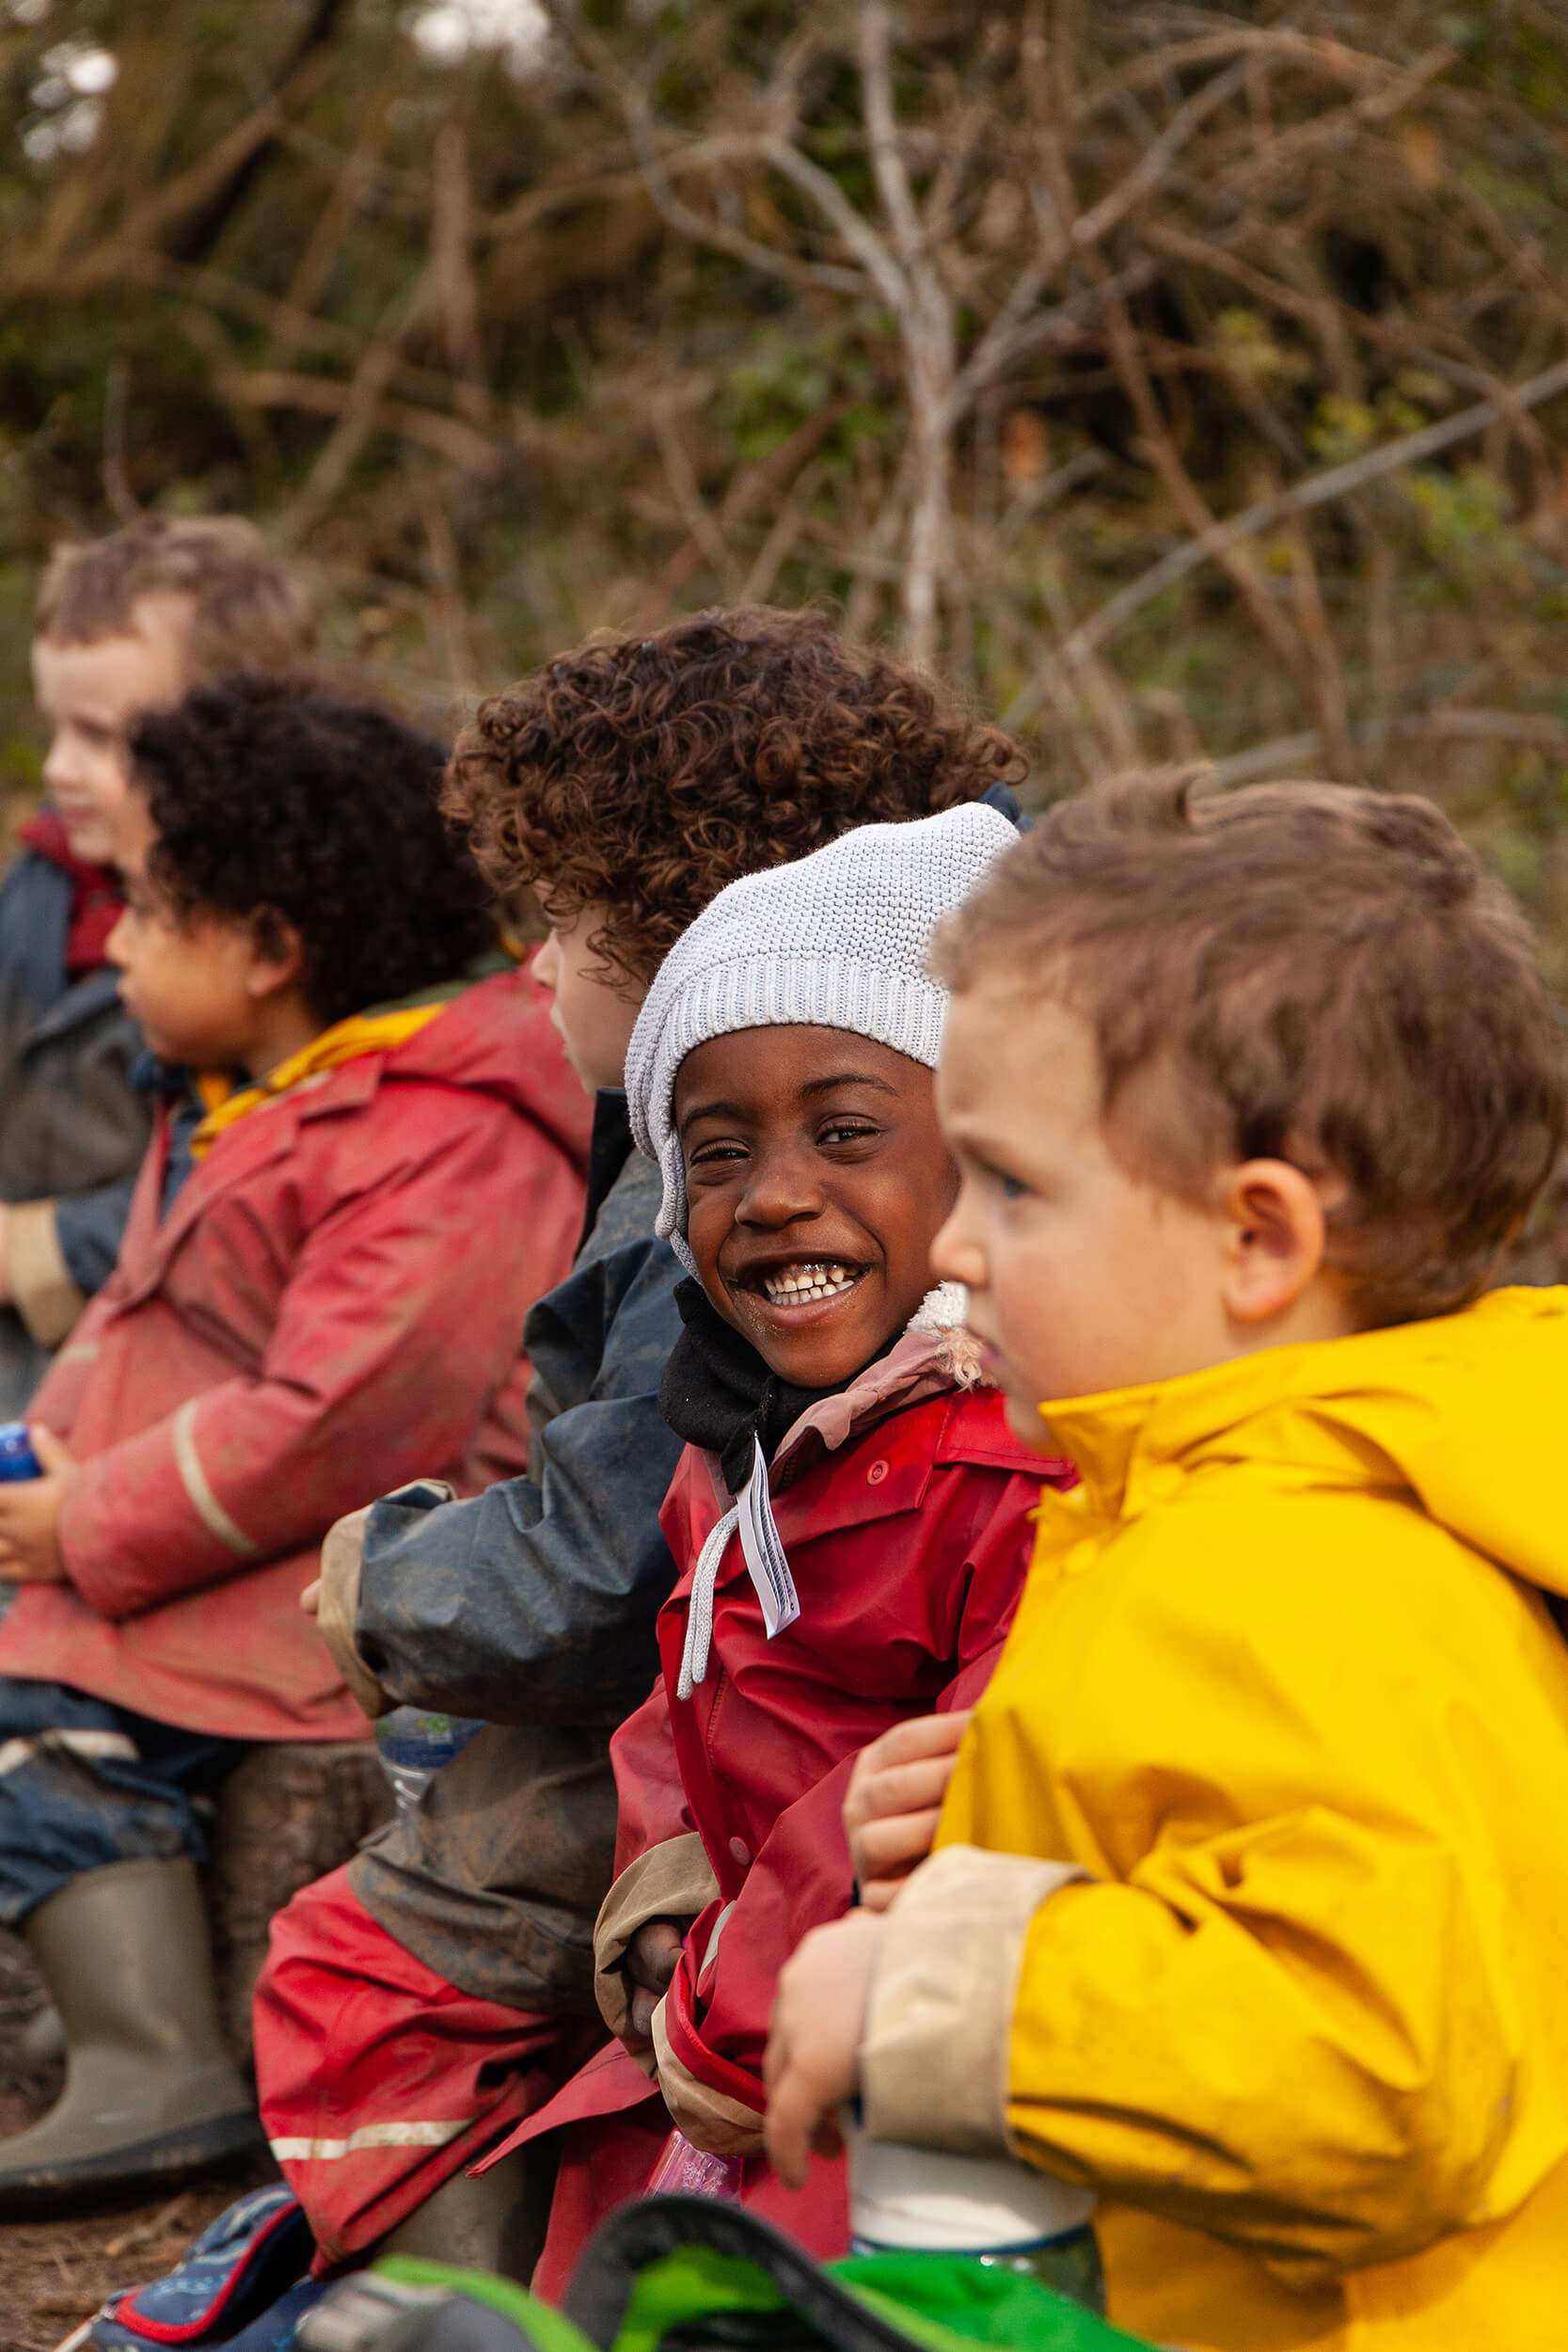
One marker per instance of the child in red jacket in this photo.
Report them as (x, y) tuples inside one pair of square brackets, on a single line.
[(850, 1516), (300, 1319)]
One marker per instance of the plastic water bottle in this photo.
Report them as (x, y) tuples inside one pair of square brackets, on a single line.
[(414, 1744), (1002, 2212), (17, 1459)]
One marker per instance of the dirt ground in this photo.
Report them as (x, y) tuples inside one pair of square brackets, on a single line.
[(54, 2274)]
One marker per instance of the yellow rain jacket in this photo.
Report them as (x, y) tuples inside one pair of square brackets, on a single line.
[(1250, 1906)]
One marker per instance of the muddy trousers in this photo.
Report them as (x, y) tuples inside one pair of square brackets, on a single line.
[(377, 2080), (83, 1784)]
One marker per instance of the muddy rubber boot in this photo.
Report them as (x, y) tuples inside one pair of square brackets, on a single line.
[(150, 2094), (494, 2223)]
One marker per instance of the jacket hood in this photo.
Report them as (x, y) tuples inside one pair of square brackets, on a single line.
[(1462, 1411), (496, 1038)]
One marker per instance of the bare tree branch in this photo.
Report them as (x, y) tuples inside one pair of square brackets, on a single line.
[(116, 486), (1334, 483)]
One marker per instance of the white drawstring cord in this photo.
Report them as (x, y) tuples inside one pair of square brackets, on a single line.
[(699, 1613)]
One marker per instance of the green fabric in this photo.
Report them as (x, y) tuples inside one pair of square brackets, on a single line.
[(948, 2301), (688, 2284), (943, 2303), (546, 2326)]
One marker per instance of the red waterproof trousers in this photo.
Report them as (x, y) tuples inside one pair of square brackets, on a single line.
[(377, 2080)]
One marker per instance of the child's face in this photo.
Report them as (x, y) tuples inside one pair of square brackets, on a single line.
[(815, 1178), (597, 1003), (1080, 1277), (91, 695), (199, 984)]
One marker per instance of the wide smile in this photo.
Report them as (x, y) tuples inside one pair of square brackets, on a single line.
[(803, 1284)]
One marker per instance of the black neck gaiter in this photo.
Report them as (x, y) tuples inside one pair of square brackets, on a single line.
[(717, 1393)]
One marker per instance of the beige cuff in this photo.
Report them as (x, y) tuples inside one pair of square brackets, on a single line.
[(37, 1275), (343, 1558), (671, 1880), (940, 2022), (721, 2125)]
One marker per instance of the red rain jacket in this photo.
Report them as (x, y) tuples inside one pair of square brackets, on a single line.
[(333, 1306), (907, 1547), (903, 1506)]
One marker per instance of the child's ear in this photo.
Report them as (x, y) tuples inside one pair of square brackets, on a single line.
[(1277, 1238), (277, 954)]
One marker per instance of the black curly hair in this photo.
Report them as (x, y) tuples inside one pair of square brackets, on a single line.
[(267, 803), (644, 773)]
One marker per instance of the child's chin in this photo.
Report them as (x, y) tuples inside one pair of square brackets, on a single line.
[(832, 1349)]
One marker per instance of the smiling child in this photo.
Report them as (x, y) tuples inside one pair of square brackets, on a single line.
[(850, 1515)]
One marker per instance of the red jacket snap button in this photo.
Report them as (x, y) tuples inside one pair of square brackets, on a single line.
[(875, 1474)]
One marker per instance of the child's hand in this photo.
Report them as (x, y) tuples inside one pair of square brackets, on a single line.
[(895, 1798), (812, 2062), (652, 1958), (333, 1601), (30, 1516)]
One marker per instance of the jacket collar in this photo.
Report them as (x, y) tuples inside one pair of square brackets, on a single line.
[(254, 1145), (1117, 1437), (377, 1031), (935, 1353)]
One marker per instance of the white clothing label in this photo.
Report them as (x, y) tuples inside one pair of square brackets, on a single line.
[(764, 1553)]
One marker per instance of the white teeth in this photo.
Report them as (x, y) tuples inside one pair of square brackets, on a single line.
[(804, 1284)]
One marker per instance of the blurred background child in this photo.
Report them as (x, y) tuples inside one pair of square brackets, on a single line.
[(322, 1290), (125, 625)]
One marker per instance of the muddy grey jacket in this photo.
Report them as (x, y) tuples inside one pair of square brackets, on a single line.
[(533, 1607), (73, 1127)]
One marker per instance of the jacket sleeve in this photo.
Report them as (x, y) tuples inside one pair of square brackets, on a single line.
[(661, 1871), (392, 1337), (60, 1253), (536, 1602), (90, 1226), (1289, 2014), (710, 2031), (712, 2027)]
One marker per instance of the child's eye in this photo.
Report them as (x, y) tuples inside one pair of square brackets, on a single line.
[(710, 1154), (847, 1131)]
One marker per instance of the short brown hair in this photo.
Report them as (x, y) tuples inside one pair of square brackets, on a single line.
[(1300, 971), (644, 773), (249, 615)]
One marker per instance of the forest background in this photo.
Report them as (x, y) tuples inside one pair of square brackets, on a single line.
[(1181, 380)]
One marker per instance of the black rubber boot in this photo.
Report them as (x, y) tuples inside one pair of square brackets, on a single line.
[(151, 2093), (495, 2222)]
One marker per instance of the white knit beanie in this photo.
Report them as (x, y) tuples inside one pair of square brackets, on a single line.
[(837, 941)]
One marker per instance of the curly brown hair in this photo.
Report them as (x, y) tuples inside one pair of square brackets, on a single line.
[(643, 773), (269, 803)]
